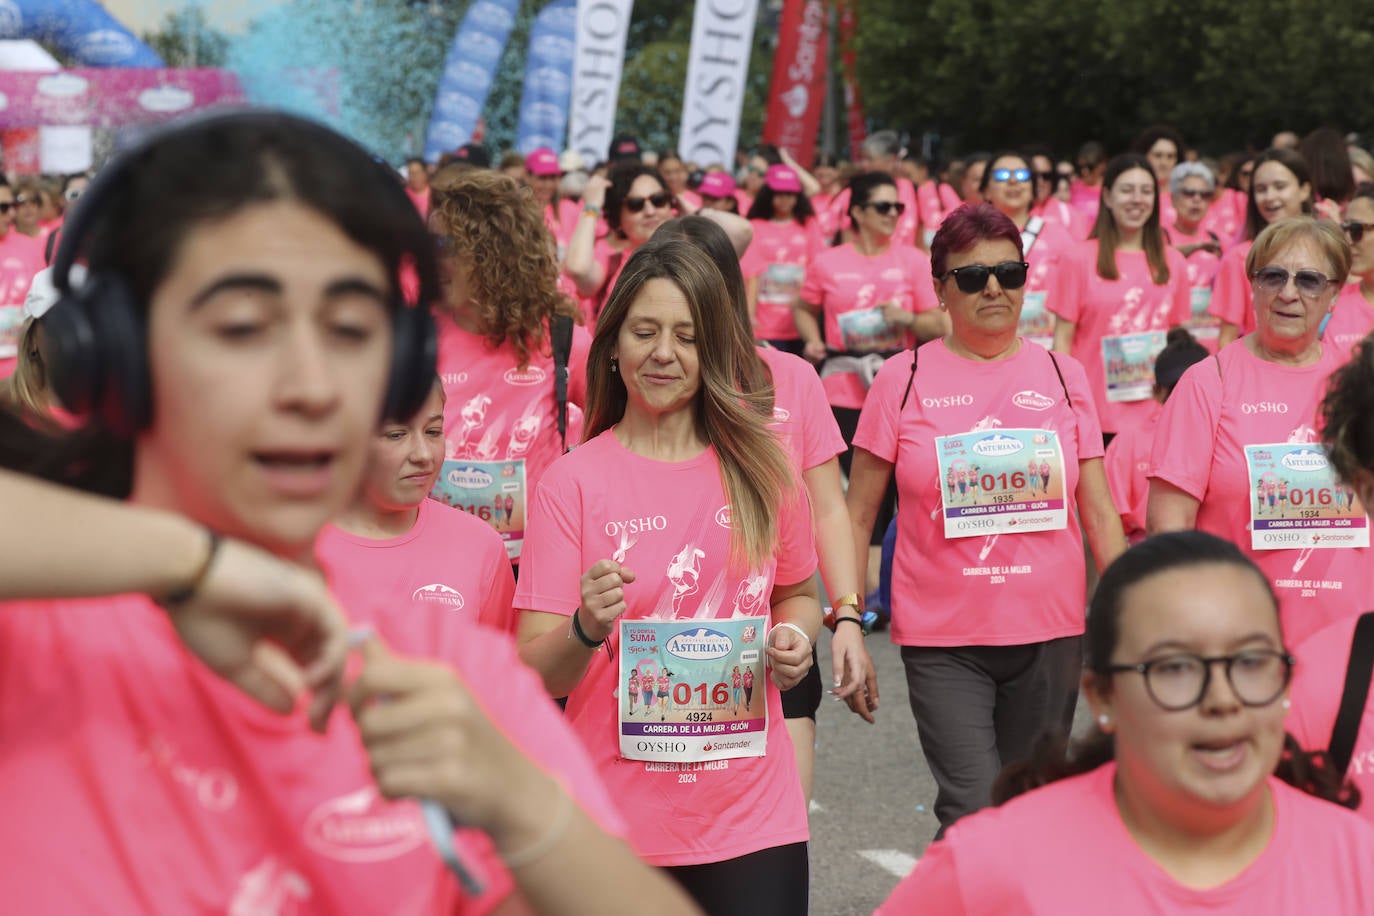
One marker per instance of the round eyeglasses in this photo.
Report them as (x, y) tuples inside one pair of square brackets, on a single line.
[(1178, 682)]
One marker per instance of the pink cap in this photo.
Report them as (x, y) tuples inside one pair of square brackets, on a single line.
[(542, 161), (782, 180), (717, 184)]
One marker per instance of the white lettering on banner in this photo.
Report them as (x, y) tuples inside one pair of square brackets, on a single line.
[(637, 525), (717, 64), (600, 54)]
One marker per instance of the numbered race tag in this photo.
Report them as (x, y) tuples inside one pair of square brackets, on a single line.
[(866, 331), (693, 690), (1001, 481), (1202, 325), (781, 284), (1297, 501), (1037, 322), (11, 322), (494, 491), (1129, 363)]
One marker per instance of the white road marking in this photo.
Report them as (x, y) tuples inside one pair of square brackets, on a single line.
[(893, 861)]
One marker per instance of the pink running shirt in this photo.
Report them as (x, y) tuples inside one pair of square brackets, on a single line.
[(20, 258), (1071, 220), (1222, 405), (1131, 304), (801, 416), (1002, 590), (1202, 273), (419, 566), (842, 280), (778, 257), (1352, 319), (1232, 300), (1063, 849), (1127, 464), (1050, 245), (180, 795), (667, 522)]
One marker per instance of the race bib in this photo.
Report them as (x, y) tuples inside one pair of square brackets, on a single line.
[(1129, 363), (693, 690), (1037, 322), (866, 331), (1202, 325), (1296, 500), (780, 284), (494, 491), (1002, 481), (11, 321)]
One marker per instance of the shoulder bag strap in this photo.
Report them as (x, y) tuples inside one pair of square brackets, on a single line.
[(1354, 695), (561, 329)]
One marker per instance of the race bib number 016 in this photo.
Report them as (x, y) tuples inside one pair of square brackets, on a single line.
[(693, 690), (1296, 500), (1003, 481), (494, 491)]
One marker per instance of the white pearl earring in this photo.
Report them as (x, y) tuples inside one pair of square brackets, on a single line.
[(1104, 720)]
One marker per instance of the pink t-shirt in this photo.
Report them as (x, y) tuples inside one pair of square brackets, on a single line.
[(1127, 463), (496, 411), (1066, 216), (1051, 243), (1352, 319), (1318, 681), (801, 416), (1225, 219), (827, 217), (906, 223), (842, 280), (987, 590), (668, 523), (778, 257), (1086, 199), (936, 200), (420, 199), (1202, 272), (1063, 849), (177, 794), (1232, 301), (419, 567), (1112, 309), (1222, 405), (20, 258)]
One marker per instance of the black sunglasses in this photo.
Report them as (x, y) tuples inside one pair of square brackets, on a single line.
[(884, 207), (1356, 230), (1194, 193), (1274, 279), (6, 206), (660, 201), (974, 277)]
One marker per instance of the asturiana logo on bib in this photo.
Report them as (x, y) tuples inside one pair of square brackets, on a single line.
[(363, 827), (997, 444), (1032, 400), (1305, 459), (438, 593), (530, 376), (701, 645), (469, 478)]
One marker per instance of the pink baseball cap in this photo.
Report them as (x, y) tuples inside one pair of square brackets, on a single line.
[(782, 180), (717, 184), (542, 161)]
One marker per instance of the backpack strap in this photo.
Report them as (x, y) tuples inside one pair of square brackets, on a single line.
[(50, 246), (1068, 400), (561, 330), (1354, 695), (1030, 234), (909, 380)]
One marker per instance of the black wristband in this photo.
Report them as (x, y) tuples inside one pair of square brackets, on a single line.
[(182, 594), (853, 620), (581, 634)]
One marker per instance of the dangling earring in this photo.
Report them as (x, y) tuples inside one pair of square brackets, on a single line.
[(615, 367)]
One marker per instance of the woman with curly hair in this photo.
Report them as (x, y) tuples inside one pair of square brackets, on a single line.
[(507, 416)]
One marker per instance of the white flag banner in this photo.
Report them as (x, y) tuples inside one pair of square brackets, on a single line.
[(717, 66), (597, 63)]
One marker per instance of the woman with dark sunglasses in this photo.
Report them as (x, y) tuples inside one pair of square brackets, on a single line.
[(1246, 419), (863, 302), (1187, 797), (1008, 185), (20, 258), (634, 202), (1352, 317), (988, 591), (1117, 294)]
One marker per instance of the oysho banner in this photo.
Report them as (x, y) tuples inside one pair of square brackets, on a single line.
[(468, 74), (601, 29), (797, 93), (548, 77), (717, 65)]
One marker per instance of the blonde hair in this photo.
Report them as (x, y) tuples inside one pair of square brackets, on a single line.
[(734, 404), (1281, 233), (28, 387)]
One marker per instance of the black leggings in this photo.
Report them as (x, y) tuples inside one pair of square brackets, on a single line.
[(770, 882)]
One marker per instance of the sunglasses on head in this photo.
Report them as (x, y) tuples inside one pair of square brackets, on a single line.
[(885, 207), (1004, 175), (1274, 279), (1194, 193), (974, 277), (660, 201), (1356, 230)]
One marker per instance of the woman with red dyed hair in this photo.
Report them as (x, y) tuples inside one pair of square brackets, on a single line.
[(988, 580)]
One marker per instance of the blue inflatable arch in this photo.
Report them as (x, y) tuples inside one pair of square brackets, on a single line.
[(81, 30)]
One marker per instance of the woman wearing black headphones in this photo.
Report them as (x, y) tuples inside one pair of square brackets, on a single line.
[(242, 318)]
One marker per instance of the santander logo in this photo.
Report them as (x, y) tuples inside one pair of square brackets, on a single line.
[(438, 594), (363, 827), (1032, 400), (796, 99), (531, 376)]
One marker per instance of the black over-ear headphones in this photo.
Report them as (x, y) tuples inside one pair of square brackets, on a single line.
[(96, 334)]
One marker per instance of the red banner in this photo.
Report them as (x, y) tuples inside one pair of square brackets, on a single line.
[(797, 94), (849, 71)]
